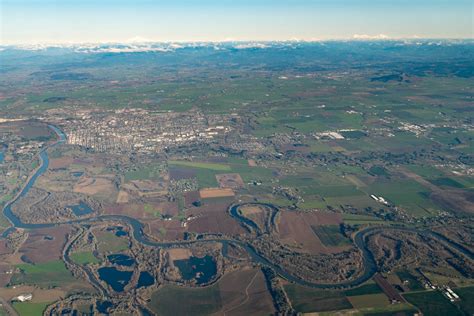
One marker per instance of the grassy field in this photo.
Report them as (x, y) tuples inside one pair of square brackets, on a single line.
[(467, 299), (144, 173), (205, 172), (360, 219), (413, 282), (331, 236), (4, 223), (109, 242), (369, 301), (432, 303), (369, 288), (30, 309), (52, 273), (406, 193), (202, 165), (173, 300), (84, 258), (305, 300), (390, 310)]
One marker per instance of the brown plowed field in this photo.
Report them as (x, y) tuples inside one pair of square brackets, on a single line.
[(244, 292), (295, 230), (215, 193), (146, 210), (92, 186), (191, 197), (213, 218), (60, 163), (230, 180), (165, 230), (52, 239)]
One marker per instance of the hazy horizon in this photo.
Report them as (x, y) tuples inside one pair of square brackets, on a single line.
[(118, 21)]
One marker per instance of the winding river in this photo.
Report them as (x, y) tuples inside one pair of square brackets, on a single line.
[(370, 267)]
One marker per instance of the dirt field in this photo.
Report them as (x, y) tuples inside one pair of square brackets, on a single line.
[(244, 292), (146, 188), (122, 197), (39, 295), (179, 253), (165, 230), (3, 248), (191, 197), (60, 163), (149, 210), (27, 129), (4, 276), (241, 292), (95, 186), (295, 230), (52, 239), (214, 218), (214, 193), (230, 180), (257, 214), (252, 163)]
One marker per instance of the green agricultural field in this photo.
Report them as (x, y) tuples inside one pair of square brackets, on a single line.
[(447, 182), (369, 300), (331, 236), (306, 300), (84, 258), (427, 172), (173, 300), (205, 173), (202, 165), (30, 309), (432, 303), (149, 172), (390, 310), (52, 273), (467, 299), (368, 288), (408, 194), (413, 282), (109, 242), (360, 219), (379, 171)]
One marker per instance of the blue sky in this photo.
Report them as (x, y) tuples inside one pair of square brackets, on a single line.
[(60, 21)]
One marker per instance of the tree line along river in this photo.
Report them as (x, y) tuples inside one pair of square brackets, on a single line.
[(370, 266)]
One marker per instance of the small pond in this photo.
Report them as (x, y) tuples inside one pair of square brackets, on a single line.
[(103, 306), (121, 233), (121, 260), (117, 279), (145, 279), (201, 269), (80, 209)]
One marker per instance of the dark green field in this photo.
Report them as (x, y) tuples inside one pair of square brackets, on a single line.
[(467, 299), (330, 235), (369, 288), (53, 273), (172, 300), (413, 282), (432, 303), (305, 300)]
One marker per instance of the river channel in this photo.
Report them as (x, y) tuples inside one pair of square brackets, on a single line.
[(370, 267)]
